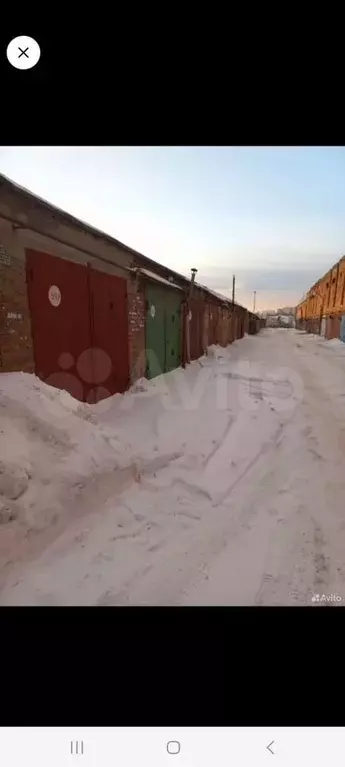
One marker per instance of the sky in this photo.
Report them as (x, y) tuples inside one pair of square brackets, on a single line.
[(273, 216)]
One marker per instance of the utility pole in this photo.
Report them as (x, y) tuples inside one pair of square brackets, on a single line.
[(254, 301), (233, 288)]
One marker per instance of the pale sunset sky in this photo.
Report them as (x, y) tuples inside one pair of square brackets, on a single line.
[(273, 216)]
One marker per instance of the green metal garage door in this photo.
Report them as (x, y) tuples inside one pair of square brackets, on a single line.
[(163, 330), (172, 331)]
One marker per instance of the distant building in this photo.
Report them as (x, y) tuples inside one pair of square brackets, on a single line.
[(272, 321), (268, 313), (286, 310), (280, 321)]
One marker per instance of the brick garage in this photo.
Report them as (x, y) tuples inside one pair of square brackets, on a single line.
[(26, 222), (136, 329), (16, 348), (29, 223), (16, 345)]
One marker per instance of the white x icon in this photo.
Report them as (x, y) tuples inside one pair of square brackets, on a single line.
[(23, 52)]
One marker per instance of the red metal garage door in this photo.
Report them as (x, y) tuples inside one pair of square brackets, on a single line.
[(60, 318), (332, 327), (223, 326), (212, 328), (109, 333), (79, 325)]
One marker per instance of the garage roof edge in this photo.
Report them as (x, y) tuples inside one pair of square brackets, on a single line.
[(155, 277)]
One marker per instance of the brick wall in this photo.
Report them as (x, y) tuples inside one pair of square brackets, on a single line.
[(16, 348), (136, 330)]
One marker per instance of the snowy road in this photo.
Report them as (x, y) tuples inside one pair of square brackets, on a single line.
[(237, 496)]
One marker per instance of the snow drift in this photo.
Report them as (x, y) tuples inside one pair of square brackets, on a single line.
[(193, 488)]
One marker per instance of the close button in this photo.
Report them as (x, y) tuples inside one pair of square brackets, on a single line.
[(23, 52)]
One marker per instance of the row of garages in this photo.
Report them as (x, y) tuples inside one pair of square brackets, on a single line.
[(180, 324), (330, 326), (87, 313), (322, 310)]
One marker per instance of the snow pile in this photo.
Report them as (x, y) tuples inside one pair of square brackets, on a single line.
[(333, 344), (48, 443), (141, 385), (217, 470), (170, 448), (51, 443), (64, 425), (337, 344), (217, 352)]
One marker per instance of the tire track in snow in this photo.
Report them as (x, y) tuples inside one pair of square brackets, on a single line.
[(168, 579), (313, 560), (234, 456)]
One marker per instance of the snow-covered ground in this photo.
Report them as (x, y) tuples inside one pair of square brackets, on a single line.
[(219, 484)]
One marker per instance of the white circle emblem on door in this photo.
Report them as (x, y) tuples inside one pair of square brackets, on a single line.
[(54, 295), (153, 310)]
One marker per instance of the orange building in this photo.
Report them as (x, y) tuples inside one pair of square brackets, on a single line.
[(322, 308)]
